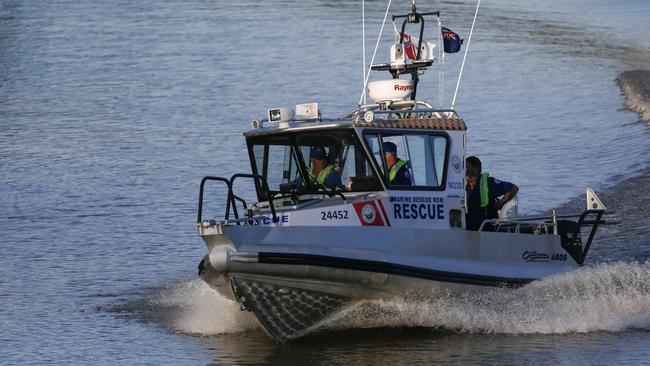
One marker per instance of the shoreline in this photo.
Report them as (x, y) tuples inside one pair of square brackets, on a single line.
[(628, 198), (629, 240), (635, 86)]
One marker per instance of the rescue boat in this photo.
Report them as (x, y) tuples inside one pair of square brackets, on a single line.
[(306, 250)]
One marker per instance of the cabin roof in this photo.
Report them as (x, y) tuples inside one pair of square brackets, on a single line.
[(417, 119)]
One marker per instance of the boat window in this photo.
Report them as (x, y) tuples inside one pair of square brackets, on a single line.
[(282, 167), (333, 160), (350, 168), (414, 160), (276, 161)]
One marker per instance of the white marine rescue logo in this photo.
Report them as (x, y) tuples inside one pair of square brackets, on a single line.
[(368, 214), (371, 213), (455, 163)]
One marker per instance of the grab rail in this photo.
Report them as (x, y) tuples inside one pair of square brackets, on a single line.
[(414, 104), (545, 219), (232, 197), (201, 188), (585, 219), (265, 187)]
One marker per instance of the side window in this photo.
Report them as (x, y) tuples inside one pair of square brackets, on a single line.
[(439, 144), (412, 159), (418, 155), (399, 142), (373, 145)]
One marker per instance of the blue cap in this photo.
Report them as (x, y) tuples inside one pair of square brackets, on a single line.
[(317, 152), (389, 147)]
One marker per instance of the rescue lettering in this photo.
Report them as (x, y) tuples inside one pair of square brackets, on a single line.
[(422, 211), (265, 220)]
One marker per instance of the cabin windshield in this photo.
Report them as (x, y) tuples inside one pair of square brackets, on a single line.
[(312, 162)]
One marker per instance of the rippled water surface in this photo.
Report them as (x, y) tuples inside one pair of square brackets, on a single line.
[(111, 113)]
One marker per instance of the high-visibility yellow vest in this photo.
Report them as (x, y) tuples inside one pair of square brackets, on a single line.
[(485, 193), (322, 175), (394, 169)]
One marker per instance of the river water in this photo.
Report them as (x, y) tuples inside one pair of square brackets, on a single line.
[(111, 112)]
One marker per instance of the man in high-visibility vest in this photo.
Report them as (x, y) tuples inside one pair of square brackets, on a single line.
[(320, 170), (398, 170), (483, 192)]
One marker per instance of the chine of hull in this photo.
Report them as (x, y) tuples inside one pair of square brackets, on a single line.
[(405, 271)]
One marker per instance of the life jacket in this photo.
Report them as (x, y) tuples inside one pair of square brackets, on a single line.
[(322, 175), (485, 192), (392, 174)]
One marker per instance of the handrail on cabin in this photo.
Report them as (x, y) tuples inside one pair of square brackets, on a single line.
[(232, 197)]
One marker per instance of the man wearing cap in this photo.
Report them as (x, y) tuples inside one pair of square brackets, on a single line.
[(320, 170), (398, 171), (483, 194)]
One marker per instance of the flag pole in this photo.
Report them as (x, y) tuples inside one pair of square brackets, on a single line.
[(363, 46), (441, 71), (462, 66)]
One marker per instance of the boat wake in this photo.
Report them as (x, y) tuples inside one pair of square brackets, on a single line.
[(635, 85), (606, 297), (195, 308)]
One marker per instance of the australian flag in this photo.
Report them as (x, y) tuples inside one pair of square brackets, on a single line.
[(451, 40)]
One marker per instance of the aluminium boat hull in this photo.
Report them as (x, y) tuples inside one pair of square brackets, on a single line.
[(293, 278)]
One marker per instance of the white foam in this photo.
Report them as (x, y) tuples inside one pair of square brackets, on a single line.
[(635, 85), (607, 297), (198, 309)]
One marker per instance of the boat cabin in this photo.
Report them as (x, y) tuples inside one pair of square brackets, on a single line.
[(339, 172)]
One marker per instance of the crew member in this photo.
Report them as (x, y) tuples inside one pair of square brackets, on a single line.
[(483, 192), (398, 170), (320, 170)]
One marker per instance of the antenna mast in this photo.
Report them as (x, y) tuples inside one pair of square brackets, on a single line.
[(363, 46), (462, 66)]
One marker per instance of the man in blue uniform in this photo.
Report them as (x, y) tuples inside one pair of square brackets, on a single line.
[(320, 170), (483, 194), (398, 170)]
